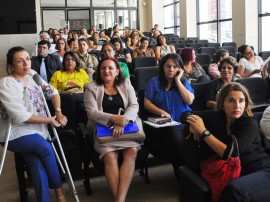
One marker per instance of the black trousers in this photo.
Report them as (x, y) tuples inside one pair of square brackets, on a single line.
[(165, 143)]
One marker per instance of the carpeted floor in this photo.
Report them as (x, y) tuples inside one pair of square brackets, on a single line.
[(163, 186)]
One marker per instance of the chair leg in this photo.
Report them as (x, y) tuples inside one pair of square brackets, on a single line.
[(20, 168), (86, 163), (144, 173)]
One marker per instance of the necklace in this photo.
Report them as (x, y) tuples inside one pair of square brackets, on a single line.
[(110, 98)]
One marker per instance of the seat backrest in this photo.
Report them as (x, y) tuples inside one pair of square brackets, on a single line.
[(179, 45), (208, 50), (215, 45), (199, 102), (264, 54), (204, 42), (229, 44), (203, 59), (195, 46), (257, 88), (143, 114), (143, 75), (231, 49), (143, 62), (186, 42)]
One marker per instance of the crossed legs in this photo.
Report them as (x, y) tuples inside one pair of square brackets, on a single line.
[(119, 179)]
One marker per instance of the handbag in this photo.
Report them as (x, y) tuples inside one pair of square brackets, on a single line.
[(132, 132), (218, 173)]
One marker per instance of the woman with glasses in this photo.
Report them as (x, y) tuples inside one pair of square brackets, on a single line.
[(109, 50), (61, 47), (250, 65), (71, 79)]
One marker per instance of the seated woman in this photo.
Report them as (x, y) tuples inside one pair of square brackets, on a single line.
[(162, 47), (250, 64), (168, 95), (227, 67), (193, 70), (235, 117), (22, 105), (143, 50), (73, 44), (121, 52), (134, 44), (109, 50), (103, 97), (213, 68), (71, 79), (93, 44), (61, 47)]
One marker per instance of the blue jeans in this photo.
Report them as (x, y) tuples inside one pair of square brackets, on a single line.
[(41, 162), (254, 187)]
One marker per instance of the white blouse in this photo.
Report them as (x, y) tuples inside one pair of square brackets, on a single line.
[(18, 102)]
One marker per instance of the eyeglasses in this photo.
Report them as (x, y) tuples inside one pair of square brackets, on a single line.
[(69, 59)]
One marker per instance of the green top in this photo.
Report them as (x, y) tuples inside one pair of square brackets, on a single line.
[(124, 69)]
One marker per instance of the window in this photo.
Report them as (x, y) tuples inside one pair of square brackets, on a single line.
[(77, 13), (264, 22), (171, 14), (215, 20)]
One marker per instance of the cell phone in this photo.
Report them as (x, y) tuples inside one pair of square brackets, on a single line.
[(178, 72)]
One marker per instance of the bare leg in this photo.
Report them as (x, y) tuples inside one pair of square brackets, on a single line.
[(126, 173), (112, 170), (60, 195)]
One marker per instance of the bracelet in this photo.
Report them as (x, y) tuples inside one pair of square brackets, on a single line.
[(57, 110)]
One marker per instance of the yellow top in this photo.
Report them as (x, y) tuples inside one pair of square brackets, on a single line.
[(75, 81)]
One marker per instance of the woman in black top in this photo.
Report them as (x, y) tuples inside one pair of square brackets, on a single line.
[(235, 117)]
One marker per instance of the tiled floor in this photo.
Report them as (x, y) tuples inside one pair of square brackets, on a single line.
[(163, 186)]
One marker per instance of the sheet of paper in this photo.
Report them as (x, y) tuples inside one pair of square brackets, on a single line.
[(173, 123)]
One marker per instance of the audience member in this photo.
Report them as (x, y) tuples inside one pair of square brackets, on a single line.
[(265, 127), (61, 47), (121, 51), (193, 70), (213, 68), (143, 50), (88, 61), (73, 44), (21, 104), (250, 64), (103, 98), (45, 64), (135, 43), (71, 79), (235, 117), (227, 67), (83, 33), (109, 50), (168, 95), (163, 48)]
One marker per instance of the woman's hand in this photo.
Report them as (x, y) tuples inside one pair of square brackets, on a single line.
[(196, 125), (117, 131), (119, 120), (179, 74), (165, 114), (61, 119)]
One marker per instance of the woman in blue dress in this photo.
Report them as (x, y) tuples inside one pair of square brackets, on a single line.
[(168, 95)]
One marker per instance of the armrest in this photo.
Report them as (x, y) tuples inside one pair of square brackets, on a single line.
[(192, 187)]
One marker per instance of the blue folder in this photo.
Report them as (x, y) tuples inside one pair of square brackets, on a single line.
[(103, 131)]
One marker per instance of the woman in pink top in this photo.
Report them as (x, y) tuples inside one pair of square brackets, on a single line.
[(213, 68)]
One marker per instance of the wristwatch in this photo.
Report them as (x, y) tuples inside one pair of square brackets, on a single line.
[(205, 134)]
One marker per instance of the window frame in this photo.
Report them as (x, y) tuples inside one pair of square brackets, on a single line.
[(175, 7)]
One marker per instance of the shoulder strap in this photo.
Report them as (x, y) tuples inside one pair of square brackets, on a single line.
[(234, 143)]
